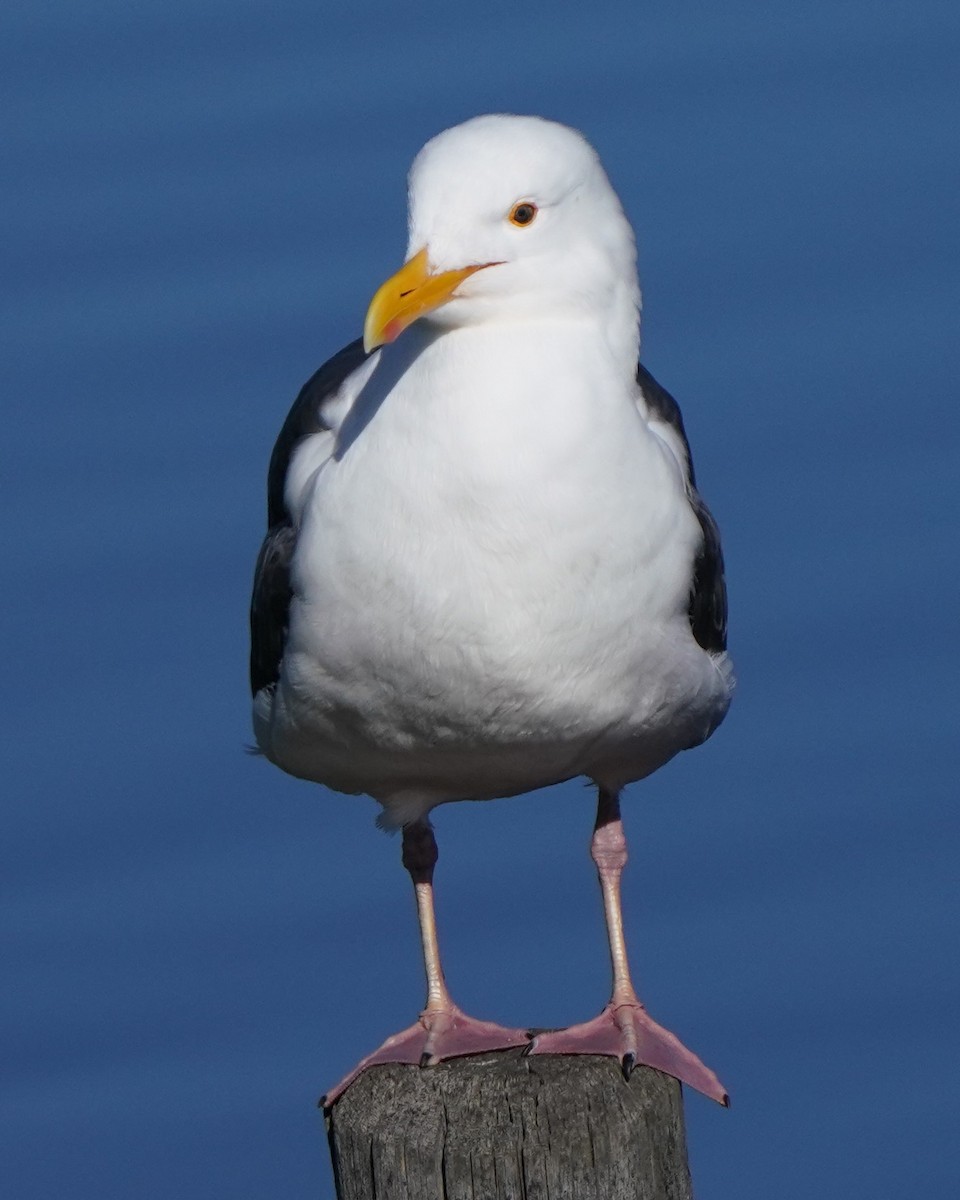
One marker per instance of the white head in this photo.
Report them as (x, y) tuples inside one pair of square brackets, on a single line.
[(513, 218)]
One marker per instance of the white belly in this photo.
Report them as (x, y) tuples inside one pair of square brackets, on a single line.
[(490, 595)]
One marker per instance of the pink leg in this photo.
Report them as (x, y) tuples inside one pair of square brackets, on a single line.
[(442, 1030), (624, 1029)]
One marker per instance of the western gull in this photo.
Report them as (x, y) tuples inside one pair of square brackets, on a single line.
[(488, 567)]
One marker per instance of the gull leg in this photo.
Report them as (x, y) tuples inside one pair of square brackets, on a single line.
[(624, 1029), (442, 1030)]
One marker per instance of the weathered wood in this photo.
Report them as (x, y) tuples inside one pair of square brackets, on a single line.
[(502, 1127)]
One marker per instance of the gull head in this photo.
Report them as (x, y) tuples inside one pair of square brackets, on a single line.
[(511, 219)]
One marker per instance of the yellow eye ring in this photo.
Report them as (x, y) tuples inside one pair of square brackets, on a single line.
[(522, 213)]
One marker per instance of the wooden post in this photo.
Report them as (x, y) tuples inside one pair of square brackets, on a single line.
[(502, 1127)]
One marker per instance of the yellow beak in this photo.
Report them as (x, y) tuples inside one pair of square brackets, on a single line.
[(410, 294)]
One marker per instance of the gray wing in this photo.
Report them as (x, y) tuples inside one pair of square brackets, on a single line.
[(270, 603), (708, 598)]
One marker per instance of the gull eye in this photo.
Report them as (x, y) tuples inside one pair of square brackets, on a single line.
[(522, 213)]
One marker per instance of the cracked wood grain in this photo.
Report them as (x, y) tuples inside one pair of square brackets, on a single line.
[(502, 1127)]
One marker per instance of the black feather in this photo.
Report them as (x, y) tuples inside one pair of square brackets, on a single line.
[(270, 604), (708, 599), (305, 418)]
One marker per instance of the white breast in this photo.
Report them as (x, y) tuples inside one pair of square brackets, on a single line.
[(486, 563)]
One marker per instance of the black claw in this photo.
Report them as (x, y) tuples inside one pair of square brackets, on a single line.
[(527, 1049), (322, 1102), (425, 1059), (627, 1063)]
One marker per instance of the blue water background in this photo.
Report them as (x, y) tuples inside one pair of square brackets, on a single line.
[(198, 201)]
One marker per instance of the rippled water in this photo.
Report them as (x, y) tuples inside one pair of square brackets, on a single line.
[(198, 202)]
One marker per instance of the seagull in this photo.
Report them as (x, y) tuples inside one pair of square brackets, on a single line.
[(488, 568)]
